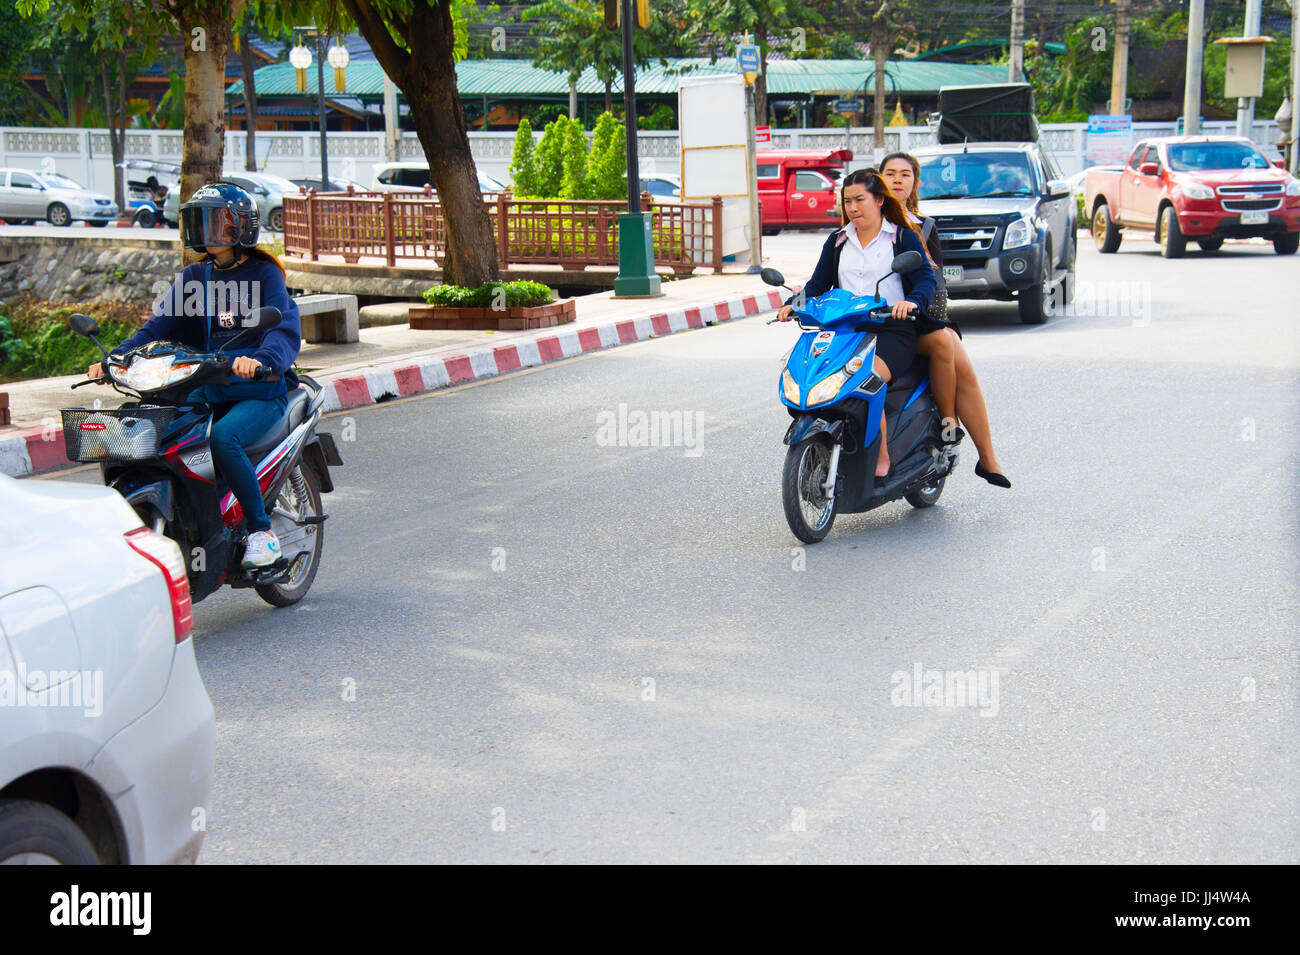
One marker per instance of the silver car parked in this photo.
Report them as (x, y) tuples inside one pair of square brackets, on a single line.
[(27, 196)]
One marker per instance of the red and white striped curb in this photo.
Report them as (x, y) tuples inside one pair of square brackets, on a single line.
[(40, 449)]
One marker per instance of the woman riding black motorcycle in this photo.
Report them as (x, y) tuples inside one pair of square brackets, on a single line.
[(204, 309)]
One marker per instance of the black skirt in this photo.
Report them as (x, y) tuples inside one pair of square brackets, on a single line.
[(896, 345)]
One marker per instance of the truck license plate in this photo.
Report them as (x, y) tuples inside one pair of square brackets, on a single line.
[(1254, 218), (952, 273)]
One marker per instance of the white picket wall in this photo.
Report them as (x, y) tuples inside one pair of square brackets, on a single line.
[(83, 154)]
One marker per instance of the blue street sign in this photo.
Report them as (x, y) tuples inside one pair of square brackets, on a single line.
[(846, 106), (747, 57)]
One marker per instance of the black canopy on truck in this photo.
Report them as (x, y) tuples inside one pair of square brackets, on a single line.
[(995, 113)]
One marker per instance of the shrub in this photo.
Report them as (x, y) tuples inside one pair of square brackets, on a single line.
[(573, 177), (548, 159), (522, 172), (489, 295), (608, 176), (36, 342)]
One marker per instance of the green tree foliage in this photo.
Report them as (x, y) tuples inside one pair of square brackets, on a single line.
[(573, 159), (608, 175), (548, 158), (521, 161)]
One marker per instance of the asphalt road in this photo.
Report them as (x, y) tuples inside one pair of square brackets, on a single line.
[(561, 651)]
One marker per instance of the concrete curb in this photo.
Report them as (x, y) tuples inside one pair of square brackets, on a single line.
[(38, 450)]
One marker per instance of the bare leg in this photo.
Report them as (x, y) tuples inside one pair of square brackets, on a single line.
[(941, 348), (882, 462), (970, 408)]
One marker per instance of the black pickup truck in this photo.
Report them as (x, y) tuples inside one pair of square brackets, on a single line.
[(1006, 217)]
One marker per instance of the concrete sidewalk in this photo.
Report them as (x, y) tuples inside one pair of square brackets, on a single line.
[(394, 360)]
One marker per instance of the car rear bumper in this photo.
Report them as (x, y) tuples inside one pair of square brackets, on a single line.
[(159, 769)]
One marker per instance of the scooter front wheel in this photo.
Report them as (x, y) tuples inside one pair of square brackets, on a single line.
[(808, 511)]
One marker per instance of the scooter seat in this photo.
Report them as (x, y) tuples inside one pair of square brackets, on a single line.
[(909, 379), (299, 399)]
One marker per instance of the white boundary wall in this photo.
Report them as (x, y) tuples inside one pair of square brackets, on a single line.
[(83, 154)]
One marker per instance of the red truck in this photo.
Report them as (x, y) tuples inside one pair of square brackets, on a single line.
[(797, 187), (1199, 188)]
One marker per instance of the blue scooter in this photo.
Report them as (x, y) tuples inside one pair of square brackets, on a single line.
[(831, 390)]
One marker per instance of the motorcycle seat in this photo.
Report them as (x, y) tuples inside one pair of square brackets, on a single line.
[(299, 399)]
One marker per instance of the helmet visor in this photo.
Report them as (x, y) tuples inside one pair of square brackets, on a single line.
[(203, 226)]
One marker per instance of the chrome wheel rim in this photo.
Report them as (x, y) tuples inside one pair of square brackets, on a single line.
[(292, 505), (814, 506)]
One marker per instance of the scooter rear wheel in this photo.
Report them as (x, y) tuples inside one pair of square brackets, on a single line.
[(807, 511), (926, 496), (300, 496)]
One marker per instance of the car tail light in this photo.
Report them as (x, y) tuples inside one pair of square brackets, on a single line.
[(166, 556)]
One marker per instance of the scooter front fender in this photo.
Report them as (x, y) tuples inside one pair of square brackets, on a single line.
[(158, 494), (806, 426)]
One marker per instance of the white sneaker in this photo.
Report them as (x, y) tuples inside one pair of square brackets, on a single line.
[(263, 549)]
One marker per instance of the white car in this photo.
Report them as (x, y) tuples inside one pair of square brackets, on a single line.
[(107, 734), (27, 196), (396, 176)]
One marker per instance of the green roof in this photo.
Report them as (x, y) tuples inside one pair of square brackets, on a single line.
[(519, 78)]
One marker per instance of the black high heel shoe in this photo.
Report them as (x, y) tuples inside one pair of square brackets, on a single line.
[(997, 480), (957, 435)]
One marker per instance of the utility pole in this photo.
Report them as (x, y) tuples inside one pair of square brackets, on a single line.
[(1119, 72), (1245, 106), (636, 253), (1195, 64), (1017, 66), (320, 104), (392, 128), (1293, 155)]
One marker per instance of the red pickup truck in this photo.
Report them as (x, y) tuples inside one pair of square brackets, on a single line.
[(797, 187), (1200, 188)]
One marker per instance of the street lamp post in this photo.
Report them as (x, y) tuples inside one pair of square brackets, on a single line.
[(301, 58), (636, 253)]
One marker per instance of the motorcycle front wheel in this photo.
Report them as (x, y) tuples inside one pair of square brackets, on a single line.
[(807, 510), (299, 497)]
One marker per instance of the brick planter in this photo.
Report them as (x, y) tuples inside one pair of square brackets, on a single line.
[(4, 408), (445, 318)]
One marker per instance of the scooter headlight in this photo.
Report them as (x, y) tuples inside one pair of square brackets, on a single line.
[(789, 387), (827, 388), (150, 374)]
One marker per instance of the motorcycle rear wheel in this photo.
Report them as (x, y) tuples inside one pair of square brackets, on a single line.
[(926, 496), (807, 511), (299, 497)]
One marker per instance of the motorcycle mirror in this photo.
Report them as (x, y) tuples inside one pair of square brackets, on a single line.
[(83, 325), (268, 316), (772, 277), (906, 262)]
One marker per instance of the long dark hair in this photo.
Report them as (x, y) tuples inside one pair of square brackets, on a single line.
[(254, 253), (890, 207), (913, 201)]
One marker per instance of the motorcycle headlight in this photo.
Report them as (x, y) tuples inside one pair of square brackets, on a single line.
[(1198, 190), (1019, 233), (789, 388), (150, 374), (1293, 187), (827, 388)]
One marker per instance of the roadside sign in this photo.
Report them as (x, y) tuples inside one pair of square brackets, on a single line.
[(1110, 139), (847, 105), (747, 58), (762, 134)]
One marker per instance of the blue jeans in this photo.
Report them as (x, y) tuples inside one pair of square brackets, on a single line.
[(234, 426)]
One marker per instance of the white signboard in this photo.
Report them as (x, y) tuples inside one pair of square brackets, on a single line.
[(1110, 140), (711, 114)]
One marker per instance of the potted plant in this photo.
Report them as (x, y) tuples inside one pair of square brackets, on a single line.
[(493, 306)]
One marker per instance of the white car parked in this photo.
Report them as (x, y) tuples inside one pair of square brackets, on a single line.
[(397, 176), (27, 196), (107, 733)]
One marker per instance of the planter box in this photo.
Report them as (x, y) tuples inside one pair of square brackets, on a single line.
[(4, 408), (446, 318)]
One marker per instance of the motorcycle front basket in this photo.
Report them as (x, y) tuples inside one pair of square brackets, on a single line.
[(122, 434)]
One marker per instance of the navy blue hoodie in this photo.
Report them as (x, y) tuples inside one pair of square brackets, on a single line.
[(203, 309)]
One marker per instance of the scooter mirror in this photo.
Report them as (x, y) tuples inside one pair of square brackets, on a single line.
[(772, 277), (906, 262), (83, 325), (268, 316)]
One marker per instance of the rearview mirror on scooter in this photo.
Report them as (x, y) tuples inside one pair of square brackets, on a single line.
[(906, 262), (260, 320), (772, 277), (83, 325)]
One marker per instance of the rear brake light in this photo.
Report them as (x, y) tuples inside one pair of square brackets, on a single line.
[(166, 556)]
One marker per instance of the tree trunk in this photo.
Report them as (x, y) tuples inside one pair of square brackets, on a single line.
[(204, 141), (879, 49), (116, 143), (250, 102), (573, 97), (760, 81), (609, 97), (426, 76)]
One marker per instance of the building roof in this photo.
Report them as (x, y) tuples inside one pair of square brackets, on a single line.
[(504, 78)]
